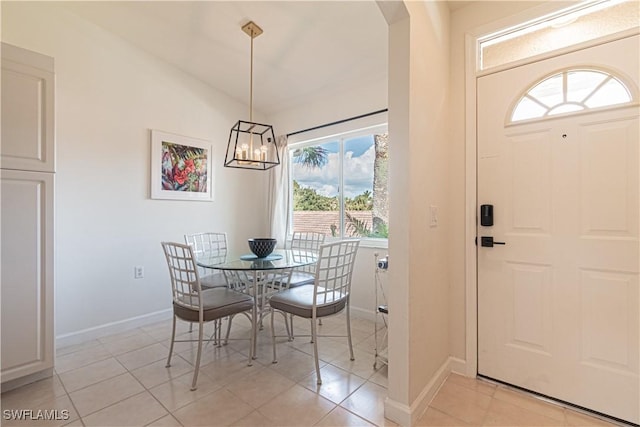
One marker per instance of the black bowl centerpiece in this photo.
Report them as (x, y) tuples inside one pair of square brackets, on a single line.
[(262, 247)]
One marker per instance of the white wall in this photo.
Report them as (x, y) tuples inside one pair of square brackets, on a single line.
[(419, 151), (329, 106), (108, 95), (399, 155), (429, 144), (468, 19)]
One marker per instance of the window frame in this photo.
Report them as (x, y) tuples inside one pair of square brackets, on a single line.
[(339, 137), (611, 74), (545, 17)]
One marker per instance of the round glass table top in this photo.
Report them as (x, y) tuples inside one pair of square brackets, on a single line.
[(289, 258)]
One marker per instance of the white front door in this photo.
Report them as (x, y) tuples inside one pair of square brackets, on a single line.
[(558, 303)]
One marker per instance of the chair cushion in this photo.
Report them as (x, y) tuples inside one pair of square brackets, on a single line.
[(300, 279), (216, 303), (215, 280), (299, 301)]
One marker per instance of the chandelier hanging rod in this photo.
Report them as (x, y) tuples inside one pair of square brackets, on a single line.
[(253, 30), (251, 145)]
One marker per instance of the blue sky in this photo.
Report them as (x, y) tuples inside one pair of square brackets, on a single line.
[(358, 169), (358, 146)]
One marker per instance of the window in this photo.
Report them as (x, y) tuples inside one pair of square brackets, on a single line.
[(571, 91), (339, 184), (582, 21)]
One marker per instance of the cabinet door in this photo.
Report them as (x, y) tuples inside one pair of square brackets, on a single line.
[(27, 272), (27, 110)]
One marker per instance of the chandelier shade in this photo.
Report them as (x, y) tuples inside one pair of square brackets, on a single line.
[(251, 145)]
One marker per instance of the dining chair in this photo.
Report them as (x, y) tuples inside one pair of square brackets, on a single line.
[(328, 295), (307, 241), (209, 244), (192, 303)]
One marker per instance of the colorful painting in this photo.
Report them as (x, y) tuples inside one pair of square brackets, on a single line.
[(184, 168), (181, 167)]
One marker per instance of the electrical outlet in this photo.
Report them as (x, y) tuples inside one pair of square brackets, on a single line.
[(434, 216), (138, 272)]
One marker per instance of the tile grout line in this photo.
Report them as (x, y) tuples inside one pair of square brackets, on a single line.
[(151, 394), (127, 371), (144, 389), (97, 382), (111, 404), (176, 354), (345, 409), (70, 400)]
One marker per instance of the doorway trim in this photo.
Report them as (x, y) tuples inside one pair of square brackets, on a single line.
[(469, 367)]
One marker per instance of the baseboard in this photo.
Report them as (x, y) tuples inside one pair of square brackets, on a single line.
[(95, 332), (409, 415), (28, 379), (397, 412), (459, 366)]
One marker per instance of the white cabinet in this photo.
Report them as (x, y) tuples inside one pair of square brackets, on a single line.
[(27, 222), (27, 110), (27, 272)]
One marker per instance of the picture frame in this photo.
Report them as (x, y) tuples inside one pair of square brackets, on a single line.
[(181, 167)]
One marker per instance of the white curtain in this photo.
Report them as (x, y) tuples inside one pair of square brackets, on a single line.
[(279, 203)]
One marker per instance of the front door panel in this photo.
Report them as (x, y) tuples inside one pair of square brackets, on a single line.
[(558, 303)]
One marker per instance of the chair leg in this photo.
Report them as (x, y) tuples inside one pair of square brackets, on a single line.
[(313, 322), (263, 302), (256, 320), (273, 335), (254, 334), (319, 324), (286, 325), (314, 339), (218, 329), (195, 373), (226, 338), (173, 337), (349, 332), (291, 337)]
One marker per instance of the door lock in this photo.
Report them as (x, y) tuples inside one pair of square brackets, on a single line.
[(486, 215), (488, 242)]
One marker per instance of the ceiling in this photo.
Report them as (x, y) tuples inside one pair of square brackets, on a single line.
[(457, 4), (308, 47)]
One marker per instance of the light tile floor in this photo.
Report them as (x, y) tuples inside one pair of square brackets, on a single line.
[(121, 380)]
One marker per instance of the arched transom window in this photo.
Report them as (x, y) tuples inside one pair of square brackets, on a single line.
[(570, 91)]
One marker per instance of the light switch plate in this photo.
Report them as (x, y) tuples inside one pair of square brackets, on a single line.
[(434, 216), (138, 272)]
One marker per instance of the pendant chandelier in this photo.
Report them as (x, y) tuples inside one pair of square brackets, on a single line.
[(251, 145)]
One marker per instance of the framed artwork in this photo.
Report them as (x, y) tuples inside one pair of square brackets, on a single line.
[(181, 167)]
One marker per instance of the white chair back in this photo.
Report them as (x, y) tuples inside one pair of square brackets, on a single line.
[(207, 244), (334, 270), (309, 241), (185, 281)]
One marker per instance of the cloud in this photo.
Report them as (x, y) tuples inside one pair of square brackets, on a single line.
[(358, 174)]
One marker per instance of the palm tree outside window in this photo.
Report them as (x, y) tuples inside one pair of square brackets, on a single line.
[(340, 185)]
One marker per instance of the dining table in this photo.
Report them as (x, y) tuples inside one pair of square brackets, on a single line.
[(260, 277)]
